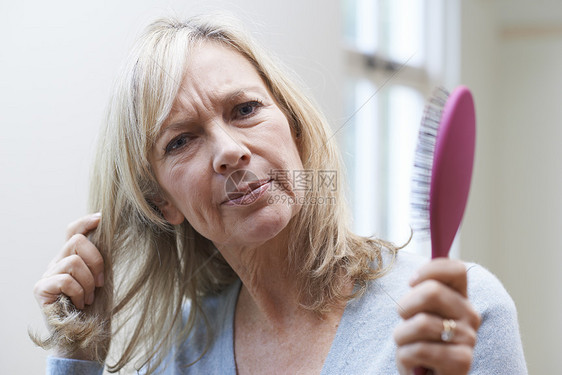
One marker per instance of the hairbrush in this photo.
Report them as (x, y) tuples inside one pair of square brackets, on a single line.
[(443, 169)]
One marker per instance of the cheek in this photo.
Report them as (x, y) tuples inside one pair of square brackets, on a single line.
[(184, 188), (281, 140), (297, 161), (173, 181), (292, 152), (290, 144)]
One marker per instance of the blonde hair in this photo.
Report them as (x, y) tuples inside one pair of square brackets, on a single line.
[(151, 266)]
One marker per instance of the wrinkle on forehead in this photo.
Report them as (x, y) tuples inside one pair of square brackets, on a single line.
[(209, 83), (221, 97), (191, 48)]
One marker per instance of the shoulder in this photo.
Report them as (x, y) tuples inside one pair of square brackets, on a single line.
[(485, 291), (398, 268), (499, 343), (498, 348)]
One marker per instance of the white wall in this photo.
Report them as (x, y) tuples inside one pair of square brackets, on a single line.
[(530, 120), (511, 57), (58, 60)]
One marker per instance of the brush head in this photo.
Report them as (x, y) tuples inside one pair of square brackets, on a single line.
[(443, 167), (423, 162)]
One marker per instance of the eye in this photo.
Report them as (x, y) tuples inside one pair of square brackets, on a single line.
[(177, 143), (247, 109)]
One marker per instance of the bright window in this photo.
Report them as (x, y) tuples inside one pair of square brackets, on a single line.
[(389, 75)]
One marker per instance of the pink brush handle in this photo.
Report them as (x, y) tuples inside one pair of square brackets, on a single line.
[(451, 173), (452, 170)]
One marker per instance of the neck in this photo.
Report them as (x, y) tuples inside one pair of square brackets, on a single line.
[(270, 288)]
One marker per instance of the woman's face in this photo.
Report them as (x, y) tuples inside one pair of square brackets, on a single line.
[(225, 156)]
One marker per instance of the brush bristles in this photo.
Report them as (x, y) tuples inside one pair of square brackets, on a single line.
[(423, 163)]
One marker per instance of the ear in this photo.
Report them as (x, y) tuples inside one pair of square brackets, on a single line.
[(168, 210)]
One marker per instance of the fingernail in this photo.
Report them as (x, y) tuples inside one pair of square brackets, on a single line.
[(97, 215), (90, 299), (99, 279)]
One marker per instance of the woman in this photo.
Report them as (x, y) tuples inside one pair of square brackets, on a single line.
[(210, 257)]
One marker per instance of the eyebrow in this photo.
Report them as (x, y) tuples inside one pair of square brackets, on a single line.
[(228, 97)]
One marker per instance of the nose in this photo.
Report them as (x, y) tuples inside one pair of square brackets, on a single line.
[(230, 153)]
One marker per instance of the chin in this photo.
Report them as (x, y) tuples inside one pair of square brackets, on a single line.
[(266, 228), (266, 225)]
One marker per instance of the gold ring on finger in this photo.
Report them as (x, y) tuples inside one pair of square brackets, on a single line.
[(448, 331)]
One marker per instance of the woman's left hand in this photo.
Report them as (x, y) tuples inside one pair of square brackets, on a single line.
[(440, 324)]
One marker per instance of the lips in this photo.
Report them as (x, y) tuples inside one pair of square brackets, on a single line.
[(247, 193)]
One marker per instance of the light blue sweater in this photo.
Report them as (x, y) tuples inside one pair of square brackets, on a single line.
[(364, 342)]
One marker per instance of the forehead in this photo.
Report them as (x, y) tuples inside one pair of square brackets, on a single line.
[(213, 73), (214, 68)]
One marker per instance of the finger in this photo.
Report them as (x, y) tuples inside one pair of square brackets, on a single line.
[(48, 289), (83, 226), (428, 328), (438, 299), (448, 271), (83, 247), (75, 266), (443, 359)]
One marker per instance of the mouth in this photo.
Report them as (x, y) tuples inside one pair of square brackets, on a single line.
[(248, 193)]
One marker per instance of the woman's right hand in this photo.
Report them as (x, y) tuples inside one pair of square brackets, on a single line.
[(77, 270)]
